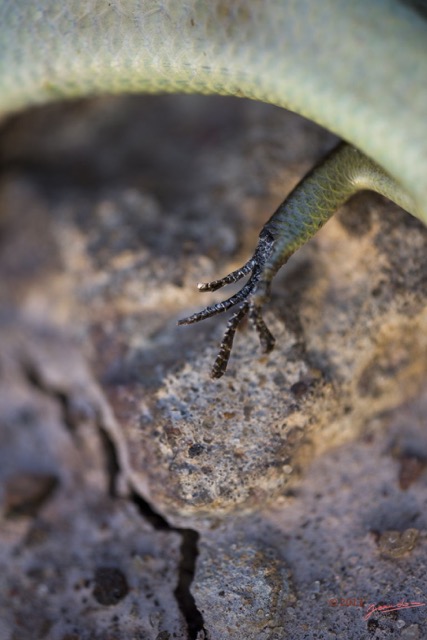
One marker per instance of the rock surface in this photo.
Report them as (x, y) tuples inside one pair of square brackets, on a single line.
[(140, 498)]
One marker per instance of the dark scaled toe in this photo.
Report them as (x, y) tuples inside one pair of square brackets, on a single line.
[(221, 361)]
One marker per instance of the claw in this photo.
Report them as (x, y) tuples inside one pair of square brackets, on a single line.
[(232, 277)]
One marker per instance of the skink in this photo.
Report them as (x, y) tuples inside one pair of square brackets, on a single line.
[(357, 68)]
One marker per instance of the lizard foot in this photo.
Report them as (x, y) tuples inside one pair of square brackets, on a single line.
[(250, 297)]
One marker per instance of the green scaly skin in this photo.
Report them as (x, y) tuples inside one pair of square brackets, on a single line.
[(357, 68), (342, 174)]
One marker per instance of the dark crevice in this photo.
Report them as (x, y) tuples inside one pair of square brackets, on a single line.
[(189, 549), (112, 467), (187, 565), (156, 520), (186, 571), (71, 417), (36, 380)]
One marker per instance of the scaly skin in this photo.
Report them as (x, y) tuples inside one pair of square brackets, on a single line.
[(357, 68)]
